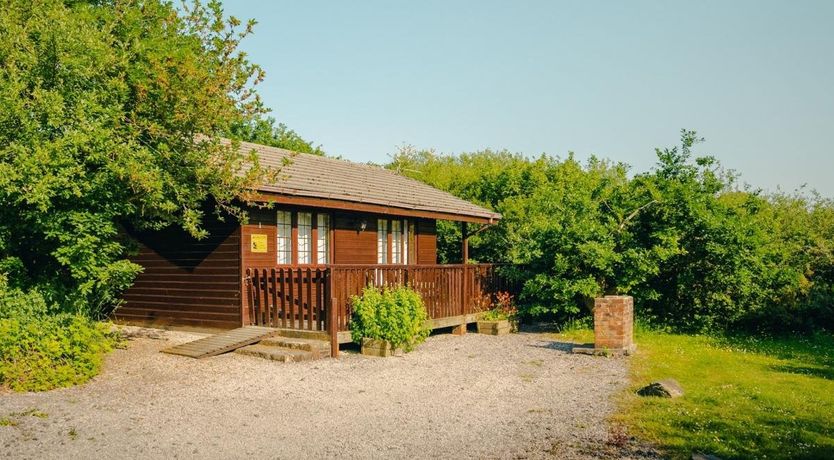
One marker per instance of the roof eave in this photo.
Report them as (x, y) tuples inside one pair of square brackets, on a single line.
[(329, 203)]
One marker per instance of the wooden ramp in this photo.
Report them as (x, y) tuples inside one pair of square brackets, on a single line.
[(222, 342)]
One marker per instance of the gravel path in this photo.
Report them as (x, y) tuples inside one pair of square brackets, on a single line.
[(517, 396)]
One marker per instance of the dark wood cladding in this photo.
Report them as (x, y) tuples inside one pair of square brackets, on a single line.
[(263, 222), (426, 242), (199, 283), (353, 246), (186, 282)]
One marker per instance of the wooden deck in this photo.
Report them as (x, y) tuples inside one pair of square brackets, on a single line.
[(319, 298), (221, 343)]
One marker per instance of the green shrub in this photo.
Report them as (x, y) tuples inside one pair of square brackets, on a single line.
[(696, 249), (396, 315), (40, 350)]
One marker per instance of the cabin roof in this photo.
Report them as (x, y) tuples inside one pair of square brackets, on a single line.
[(328, 182)]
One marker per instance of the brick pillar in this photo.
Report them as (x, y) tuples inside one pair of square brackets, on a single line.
[(614, 323)]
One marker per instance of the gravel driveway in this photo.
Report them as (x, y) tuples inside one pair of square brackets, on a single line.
[(517, 396)]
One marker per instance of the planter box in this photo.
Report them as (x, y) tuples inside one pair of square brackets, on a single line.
[(499, 327), (380, 348)]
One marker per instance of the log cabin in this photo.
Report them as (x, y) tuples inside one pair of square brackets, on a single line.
[(335, 227)]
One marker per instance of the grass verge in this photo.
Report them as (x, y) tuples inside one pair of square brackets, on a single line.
[(745, 397)]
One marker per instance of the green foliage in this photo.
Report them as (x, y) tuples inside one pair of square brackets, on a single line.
[(263, 131), (696, 251), (41, 350), (396, 315), (745, 397), (110, 118)]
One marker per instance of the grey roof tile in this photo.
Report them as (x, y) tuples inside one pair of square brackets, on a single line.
[(329, 178)]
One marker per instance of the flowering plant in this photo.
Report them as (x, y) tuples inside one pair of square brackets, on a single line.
[(502, 308)]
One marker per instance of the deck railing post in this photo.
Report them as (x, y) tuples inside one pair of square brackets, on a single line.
[(249, 294), (333, 328), (461, 330)]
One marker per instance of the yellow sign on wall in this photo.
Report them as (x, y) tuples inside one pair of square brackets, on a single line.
[(259, 242)]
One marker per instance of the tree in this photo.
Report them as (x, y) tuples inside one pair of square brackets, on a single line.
[(263, 131), (111, 115), (697, 251)]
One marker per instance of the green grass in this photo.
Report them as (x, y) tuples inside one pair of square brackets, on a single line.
[(745, 397), (5, 421)]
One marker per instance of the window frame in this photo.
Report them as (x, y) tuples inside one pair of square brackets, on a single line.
[(283, 232), (295, 238), (402, 246)]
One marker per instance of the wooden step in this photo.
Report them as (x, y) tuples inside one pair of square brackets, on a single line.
[(302, 334), (286, 355), (319, 348)]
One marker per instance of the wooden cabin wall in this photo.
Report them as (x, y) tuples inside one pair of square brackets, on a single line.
[(350, 246), (186, 282), (199, 283), (426, 242), (261, 222), (355, 247)]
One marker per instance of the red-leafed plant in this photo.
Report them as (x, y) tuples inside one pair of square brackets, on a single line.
[(503, 308)]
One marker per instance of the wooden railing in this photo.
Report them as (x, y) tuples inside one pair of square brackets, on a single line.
[(319, 299), (288, 297)]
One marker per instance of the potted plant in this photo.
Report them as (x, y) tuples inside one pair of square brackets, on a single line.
[(388, 321), (501, 318)]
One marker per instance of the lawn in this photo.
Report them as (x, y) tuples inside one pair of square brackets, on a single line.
[(745, 397)]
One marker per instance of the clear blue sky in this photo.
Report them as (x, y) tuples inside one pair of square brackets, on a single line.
[(612, 78)]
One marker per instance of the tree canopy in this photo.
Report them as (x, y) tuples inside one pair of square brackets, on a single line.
[(696, 249), (263, 131), (111, 115)]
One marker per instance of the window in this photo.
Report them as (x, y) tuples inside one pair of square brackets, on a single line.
[(323, 238), (305, 236), (382, 241), (396, 242), (406, 236), (399, 231), (299, 248), (284, 237)]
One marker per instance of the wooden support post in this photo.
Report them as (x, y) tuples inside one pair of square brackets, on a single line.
[(333, 329), (464, 237), (464, 298)]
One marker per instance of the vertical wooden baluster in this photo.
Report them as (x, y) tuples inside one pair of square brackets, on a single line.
[(283, 274), (318, 291), (309, 299), (265, 309), (257, 306), (260, 312), (248, 293), (291, 298), (299, 288), (273, 312), (253, 318)]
